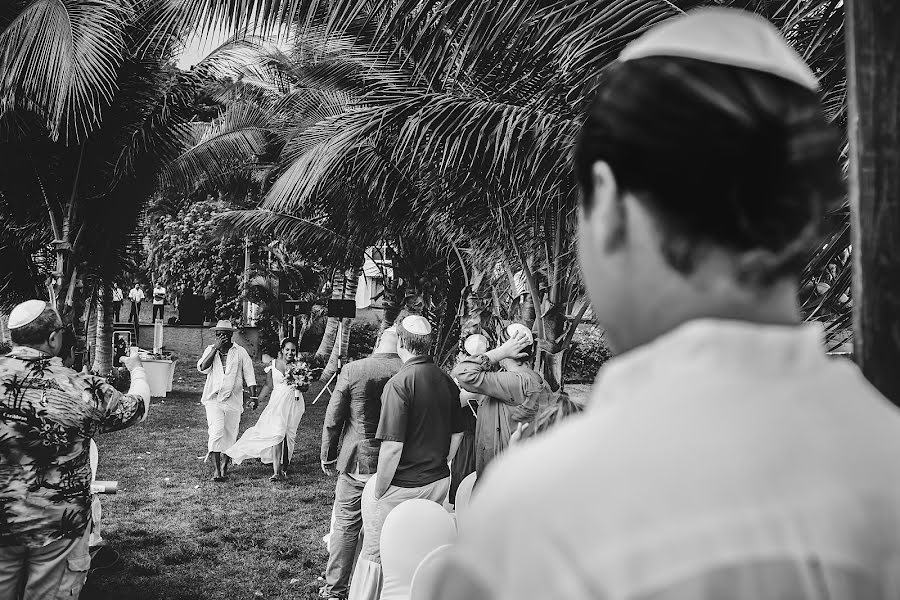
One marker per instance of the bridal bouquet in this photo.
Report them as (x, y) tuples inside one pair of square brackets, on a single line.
[(298, 377)]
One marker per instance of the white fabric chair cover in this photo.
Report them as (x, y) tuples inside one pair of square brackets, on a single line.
[(96, 511), (427, 573), (411, 531)]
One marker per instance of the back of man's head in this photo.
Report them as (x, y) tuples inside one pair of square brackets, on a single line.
[(32, 322), (387, 344), (724, 152), (414, 333)]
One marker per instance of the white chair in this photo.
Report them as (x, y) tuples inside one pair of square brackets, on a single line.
[(427, 573), (464, 496), (411, 531)]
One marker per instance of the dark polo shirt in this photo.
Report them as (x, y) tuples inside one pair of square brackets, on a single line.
[(420, 407)]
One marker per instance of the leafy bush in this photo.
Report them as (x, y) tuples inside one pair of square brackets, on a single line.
[(363, 335), (5, 347), (586, 355), (268, 336)]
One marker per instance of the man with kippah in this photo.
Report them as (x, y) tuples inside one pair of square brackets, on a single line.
[(724, 455), (48, 415), (420, 429)]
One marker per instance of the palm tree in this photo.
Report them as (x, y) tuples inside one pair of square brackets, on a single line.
[(451, 123), (86, 121)]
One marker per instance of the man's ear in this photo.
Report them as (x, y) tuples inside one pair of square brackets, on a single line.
[(606, 217)]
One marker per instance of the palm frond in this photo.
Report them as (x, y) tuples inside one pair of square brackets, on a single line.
[(60, 58)]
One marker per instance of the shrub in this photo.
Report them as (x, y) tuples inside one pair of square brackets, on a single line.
[(5, 347), (268, 336), (363, 335), (586, 355)]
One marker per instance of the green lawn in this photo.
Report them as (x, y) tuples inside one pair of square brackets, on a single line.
[(179, 535)]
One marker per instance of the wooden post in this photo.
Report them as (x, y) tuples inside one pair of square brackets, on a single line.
[(873, 62)]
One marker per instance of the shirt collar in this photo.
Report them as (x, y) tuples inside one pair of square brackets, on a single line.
[(419, 360), (28, 353), (719, 345)]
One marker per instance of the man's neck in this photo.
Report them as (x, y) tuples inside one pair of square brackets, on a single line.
[(775, 306), (43, 349)]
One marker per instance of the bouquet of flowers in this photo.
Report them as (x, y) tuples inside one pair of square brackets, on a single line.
[(298, 377)]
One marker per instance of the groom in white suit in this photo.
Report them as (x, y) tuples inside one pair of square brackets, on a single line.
[(228, 368)]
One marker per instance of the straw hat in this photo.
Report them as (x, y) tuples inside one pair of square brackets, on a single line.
[(223, 325)]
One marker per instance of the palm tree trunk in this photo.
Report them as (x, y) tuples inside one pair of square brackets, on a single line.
[(327, 343), (873, 52), (339, 349), (103, 354)]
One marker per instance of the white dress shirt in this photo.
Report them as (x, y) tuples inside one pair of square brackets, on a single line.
[(136, 295), (722, 461), (225, 387)]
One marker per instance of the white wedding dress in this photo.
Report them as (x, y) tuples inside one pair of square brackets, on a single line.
[(278, 421)]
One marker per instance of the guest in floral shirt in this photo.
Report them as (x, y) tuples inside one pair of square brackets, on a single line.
[(48, 415)]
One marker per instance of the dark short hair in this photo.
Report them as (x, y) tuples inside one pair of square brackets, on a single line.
[(734, 157), (289, 340), (36, 332), (415, 343)]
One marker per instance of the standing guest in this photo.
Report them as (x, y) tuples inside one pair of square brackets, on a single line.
[(136, 295), (351, 422), (209, 303), (509, 397), (159, 302), (117, 298), (724, 455), (48, 415), (272, 438), (228, 368), (420, 428)]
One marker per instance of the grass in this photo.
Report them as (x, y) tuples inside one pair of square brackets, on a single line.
[(181, 536)]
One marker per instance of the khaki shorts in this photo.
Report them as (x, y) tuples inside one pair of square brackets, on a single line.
[(57, 570)]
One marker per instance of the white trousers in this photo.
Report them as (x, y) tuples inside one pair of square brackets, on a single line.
[(223, 428)]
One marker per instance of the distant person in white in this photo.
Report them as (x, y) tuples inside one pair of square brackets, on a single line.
[(159, 302), (228, 368), (724, 455), (136, 295)]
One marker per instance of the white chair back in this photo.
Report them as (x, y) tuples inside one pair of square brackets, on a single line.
[(411, 531), (426, 575)]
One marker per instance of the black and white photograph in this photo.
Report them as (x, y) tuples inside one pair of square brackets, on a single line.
[(450, 299)]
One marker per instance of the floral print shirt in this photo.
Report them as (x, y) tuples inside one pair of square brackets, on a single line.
[(48, 415)]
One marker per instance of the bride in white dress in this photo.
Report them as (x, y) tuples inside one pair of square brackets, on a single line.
[(272, 438)]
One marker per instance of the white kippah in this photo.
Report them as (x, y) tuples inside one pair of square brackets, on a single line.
[(476, 344), (417, 325), (514, 328), (25, 313), (726, 36)]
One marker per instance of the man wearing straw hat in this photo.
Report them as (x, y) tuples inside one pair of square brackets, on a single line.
[(48, 416), (723, 455), (228, 368)]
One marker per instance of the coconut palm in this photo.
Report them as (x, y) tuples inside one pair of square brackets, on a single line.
[(87, 122), (452, 121)]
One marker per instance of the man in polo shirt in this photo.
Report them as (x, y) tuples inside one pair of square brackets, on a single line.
[(420, 429)]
